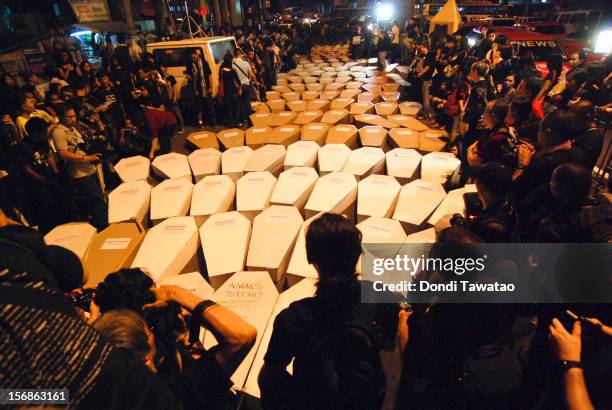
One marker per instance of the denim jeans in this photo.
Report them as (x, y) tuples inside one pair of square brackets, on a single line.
[(425, 89)]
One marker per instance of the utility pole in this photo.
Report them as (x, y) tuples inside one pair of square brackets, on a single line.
[(128, 15)]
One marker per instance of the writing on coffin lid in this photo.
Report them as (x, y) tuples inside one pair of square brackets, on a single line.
[(212, 182), (379, 183), (310, 113), (400, 117), (284, 114), (261, 115), (172, 188), (344, 129), (316, 127), (260, 179), (165, 158), (440, 157), (115, 243), (404, 132), (405, 154), (338, 181), (65, 238), (336, 112), (129, 192), (204, 153), (286, 129), (132, 164), (258, 130), (423, 188), (278, 218), (230, 134), (380, 231), (225, 222), (369, 117), (175, 228), (300, 174)]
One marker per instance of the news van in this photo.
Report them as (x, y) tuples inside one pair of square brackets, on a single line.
[(177, 54)]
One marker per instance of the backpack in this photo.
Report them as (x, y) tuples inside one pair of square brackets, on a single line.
[(492, 375), (592, 224), (339, 367)]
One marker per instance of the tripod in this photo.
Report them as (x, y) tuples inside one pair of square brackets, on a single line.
[(189, 20)]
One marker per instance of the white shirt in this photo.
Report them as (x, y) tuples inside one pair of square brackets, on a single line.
[(242, 68)]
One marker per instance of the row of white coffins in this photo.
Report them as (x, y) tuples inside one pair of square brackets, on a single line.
[(230, 241)]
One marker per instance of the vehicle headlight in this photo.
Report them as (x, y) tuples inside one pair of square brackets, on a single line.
[(603, 42)]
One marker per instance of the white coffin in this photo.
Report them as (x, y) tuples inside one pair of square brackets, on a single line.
[(172, 165), (403, 164), (377, 196), (365, 161), (225, 240), (133, 168), (343, 134), (129, 200), (251, 295), (303, 289), (382, 230), (294, 187), (204, 162), (269, 158), (255, 137), (307, 117), (298, 265), (74, 236), (452, 204), (417, 200), (404, 138), (424, 236), (335, 192), (332, 157), (234, 160), (438, 166), (301, 154), (284, 135), (278, 225), (193, 282), (335, 117), (373, 136), (171, 197), (253, 192), (315, 132), (411, 108), (213, 194), (168, 247)]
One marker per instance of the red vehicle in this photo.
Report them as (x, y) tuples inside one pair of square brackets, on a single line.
[(541, 45), (553, 29)]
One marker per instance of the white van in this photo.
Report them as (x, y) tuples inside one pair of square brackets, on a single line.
[(177, 54)]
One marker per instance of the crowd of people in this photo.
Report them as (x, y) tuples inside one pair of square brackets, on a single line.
[(528, 141), (58, 145)]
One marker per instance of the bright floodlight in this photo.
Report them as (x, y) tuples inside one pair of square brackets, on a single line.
[(471, 41), (603, 43), (384, 11)]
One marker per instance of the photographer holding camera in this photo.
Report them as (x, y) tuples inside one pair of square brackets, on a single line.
[(489, 214), (82, 171)]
